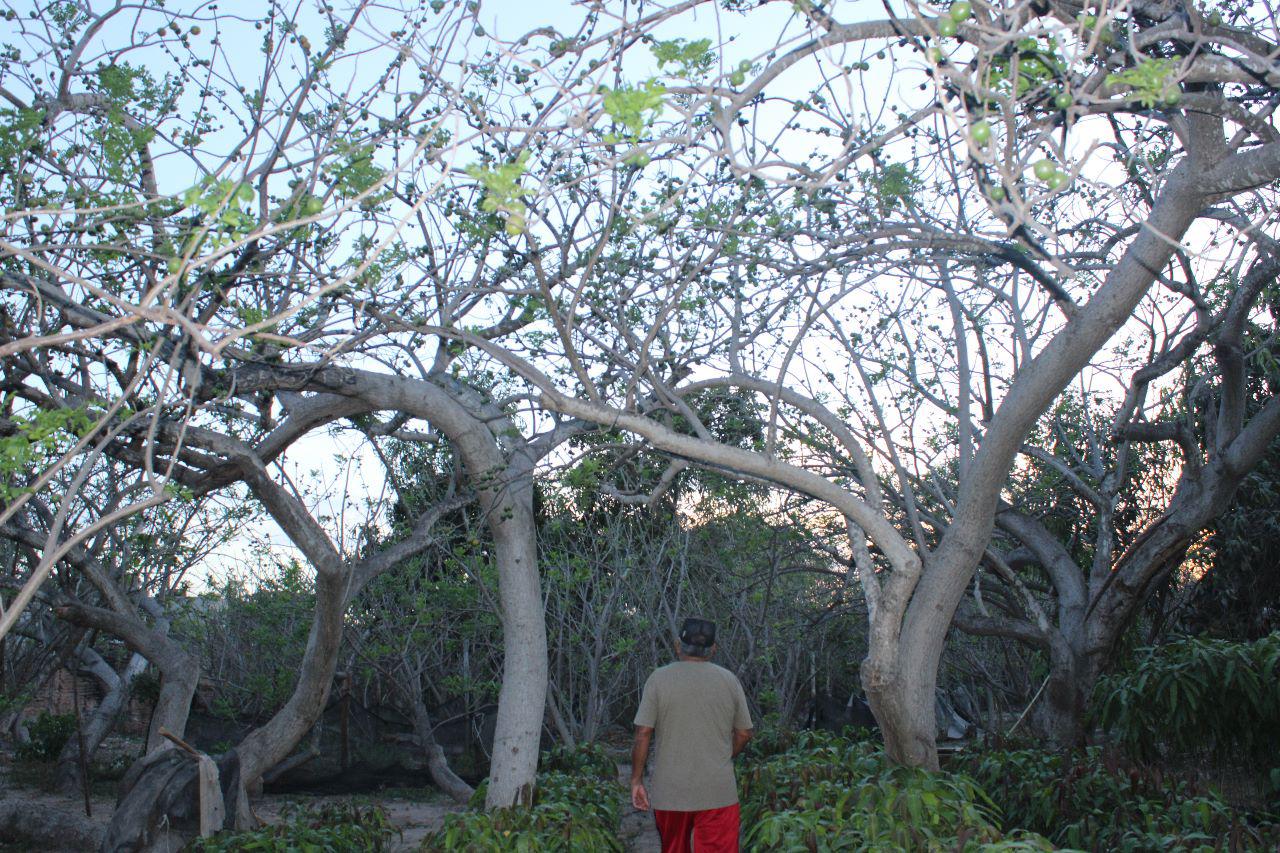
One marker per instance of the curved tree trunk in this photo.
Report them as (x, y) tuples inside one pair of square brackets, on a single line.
[(437, 765), (179, 675), (270, 743), (67, 777)]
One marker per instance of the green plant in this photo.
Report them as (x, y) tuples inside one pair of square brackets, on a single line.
[(1090, 799), (330, 827), (826, 792), (49, 734), (569, 813), (1195, 694), (585, 759)]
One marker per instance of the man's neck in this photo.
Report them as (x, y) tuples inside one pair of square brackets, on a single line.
[(692, 659)]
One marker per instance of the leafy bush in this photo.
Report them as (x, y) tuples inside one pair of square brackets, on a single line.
[(828, 793), (569, 813), (333, 826), (49, 734), (1088, 799), (585, 759), (1195, 694)]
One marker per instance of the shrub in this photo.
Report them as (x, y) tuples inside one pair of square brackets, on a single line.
[(585, 759), (1195, 694), (333, 826), (1089, 800), (569, 813), (828, 793), (49, 734)]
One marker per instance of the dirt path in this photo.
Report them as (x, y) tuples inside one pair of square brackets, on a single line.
[(638, 833)]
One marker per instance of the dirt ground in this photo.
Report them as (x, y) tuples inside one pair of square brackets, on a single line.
[(638, 831), (51, 819), (26, 809)]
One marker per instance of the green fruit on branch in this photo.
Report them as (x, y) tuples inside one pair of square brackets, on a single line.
[(1044, 169), (996, 194), (961, 10), (1058, 180), (1063, 100), (947, 27), (980, 133)]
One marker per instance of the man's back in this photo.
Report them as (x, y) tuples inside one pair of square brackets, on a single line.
[(694, 707)]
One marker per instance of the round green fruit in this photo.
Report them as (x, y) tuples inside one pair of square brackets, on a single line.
[(980, 132), (1058, 180), (1044, 169), (1063, 100), (936, 56), (961, 10), (947, 27), (996, 194), (737, 78), (1214, 19), (1172, 97)]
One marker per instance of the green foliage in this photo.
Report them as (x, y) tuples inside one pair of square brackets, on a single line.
[(570, 812), (1195, 694), (692, 57), (502, 191), (49, 734), (1151, 82), (1034, 63), (829, 793), (634, 108), (37, 438), (591, 760), (226, 201), (257, 637), (330, 827), (892, 185), (1088, 799)]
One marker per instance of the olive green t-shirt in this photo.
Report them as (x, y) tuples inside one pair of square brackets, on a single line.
[(693, 708)]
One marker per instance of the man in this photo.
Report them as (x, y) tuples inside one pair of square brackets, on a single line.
[(700, 715)]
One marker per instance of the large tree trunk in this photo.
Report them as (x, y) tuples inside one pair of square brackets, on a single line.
[(1059, 713), (523, 697), (67, 776)]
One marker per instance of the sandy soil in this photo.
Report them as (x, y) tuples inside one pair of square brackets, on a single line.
[(638, 831)]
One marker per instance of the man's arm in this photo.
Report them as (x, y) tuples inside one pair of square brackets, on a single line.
[(740, 738), (639, 757)]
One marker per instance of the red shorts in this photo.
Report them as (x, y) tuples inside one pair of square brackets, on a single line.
[(710, 830)]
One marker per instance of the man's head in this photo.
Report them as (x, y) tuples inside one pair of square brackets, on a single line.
[(697, 638)]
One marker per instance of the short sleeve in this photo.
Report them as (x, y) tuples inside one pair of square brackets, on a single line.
[(647, 713), (742, 713)]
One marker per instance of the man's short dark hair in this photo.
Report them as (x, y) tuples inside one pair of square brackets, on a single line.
[(697, 636)]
